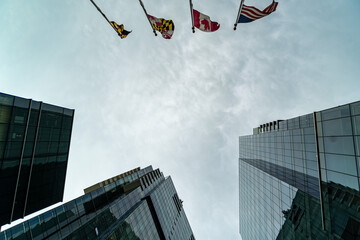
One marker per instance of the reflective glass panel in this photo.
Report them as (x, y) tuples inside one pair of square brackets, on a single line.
[(358, 163), (341, 145), (343, 179), (341, 163), (337, 112), (355, 108), (357, 145), (356, 125), (337, 127)]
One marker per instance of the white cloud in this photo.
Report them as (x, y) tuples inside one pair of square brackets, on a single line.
[(177, 104)]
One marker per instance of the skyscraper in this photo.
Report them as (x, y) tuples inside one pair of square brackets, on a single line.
[(299, 178), (34, 147), (139, 204)]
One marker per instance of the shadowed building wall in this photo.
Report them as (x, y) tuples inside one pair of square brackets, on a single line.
[(139, 204), (34, 148)]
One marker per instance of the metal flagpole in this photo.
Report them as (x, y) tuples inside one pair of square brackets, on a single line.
[(142, 5), (104, 16), (192, 16), (238, 16)]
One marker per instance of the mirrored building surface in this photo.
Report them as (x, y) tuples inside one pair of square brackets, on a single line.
[(139, 204), (34, 148), (299, 178)]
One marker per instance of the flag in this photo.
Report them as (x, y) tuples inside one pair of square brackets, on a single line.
[(203, 22), (165, 27), (249, 14), (120, 29)]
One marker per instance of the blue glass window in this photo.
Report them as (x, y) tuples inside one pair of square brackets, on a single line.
[(338, 112), (337, 127), (355, 108), (341, 145), (358, 163), (356, 125), (343, 179), (357, 145), (341, 163)]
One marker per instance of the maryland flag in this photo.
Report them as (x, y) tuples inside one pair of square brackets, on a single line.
[(165, 27), (120, 29)]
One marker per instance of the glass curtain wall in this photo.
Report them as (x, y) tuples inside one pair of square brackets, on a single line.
[(34, 147), (280, 195)]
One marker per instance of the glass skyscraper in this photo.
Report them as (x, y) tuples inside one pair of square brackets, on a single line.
[(300, 178), (34, 147), (139, 204)]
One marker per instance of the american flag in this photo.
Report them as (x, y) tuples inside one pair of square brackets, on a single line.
[(249, 14)]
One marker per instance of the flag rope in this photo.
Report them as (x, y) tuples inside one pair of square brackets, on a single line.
[(192, 16), (142, 5), (238, 16), (103, 15)]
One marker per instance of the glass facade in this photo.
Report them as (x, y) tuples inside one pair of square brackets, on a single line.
[(34, 148), (139, 205), (299, 178)]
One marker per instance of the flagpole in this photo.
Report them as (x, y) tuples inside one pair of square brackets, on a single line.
[(143, 7), (238, 16), (192, 16), (103, 15)]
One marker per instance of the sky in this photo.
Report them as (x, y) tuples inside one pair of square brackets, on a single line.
[(180, 104)]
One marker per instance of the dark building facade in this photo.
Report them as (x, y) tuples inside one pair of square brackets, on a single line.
[(300, 178), (34, 147), (139, 204)]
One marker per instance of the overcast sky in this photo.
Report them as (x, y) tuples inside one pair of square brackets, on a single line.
[(178, 104)]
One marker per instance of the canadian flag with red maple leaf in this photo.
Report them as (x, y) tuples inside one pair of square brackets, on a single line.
[(203, 22)]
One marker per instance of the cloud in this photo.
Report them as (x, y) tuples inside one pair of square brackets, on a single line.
[(181, 104)]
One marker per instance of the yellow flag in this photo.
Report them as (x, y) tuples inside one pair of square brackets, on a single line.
[(120, 29)]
